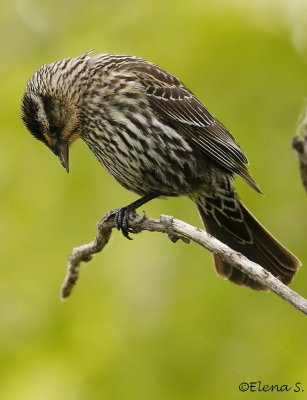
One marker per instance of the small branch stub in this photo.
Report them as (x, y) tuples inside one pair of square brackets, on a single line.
[(176, 229)]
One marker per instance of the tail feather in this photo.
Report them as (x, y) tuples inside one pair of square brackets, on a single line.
[(241, 231)]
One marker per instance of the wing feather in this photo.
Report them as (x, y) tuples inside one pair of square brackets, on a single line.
[(177, 106)]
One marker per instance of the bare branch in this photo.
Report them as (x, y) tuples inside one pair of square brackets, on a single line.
[(176, 230)]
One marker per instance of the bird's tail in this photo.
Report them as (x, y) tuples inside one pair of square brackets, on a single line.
[(229, 220)]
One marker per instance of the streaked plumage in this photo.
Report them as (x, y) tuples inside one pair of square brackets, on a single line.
[(157, 139)]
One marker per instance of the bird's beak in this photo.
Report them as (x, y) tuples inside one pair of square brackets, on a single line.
[(61, 150)]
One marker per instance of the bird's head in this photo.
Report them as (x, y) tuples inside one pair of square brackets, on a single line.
[(50, 106), (54, 121)]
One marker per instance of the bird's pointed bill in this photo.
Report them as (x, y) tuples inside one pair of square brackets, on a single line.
[(61, 150)]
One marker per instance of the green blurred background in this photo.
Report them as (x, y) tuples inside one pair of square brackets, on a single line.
[(149, 319)]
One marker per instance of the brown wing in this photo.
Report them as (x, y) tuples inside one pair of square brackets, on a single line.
[(176, 105)]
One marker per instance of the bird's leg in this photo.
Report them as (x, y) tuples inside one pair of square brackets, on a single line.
[(121, 215)]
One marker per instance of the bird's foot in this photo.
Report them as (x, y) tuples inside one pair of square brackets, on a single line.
[(121, 219), (121, 215)]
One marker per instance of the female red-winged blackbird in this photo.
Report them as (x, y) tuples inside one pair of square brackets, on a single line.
[(157, 139)]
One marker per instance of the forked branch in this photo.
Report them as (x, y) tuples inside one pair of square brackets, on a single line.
[(176, 229)]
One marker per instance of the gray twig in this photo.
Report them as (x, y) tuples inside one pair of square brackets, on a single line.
[(178, 229)]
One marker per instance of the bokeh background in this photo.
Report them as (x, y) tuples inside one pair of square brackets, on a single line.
[(149, 319)]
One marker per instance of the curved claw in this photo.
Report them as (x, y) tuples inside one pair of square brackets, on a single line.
[(121, 220), (121, 215)]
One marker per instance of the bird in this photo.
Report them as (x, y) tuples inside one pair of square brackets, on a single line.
[(157, 139)]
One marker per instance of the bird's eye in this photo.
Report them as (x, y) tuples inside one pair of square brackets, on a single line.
[(53, 129)]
